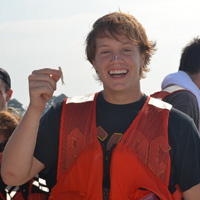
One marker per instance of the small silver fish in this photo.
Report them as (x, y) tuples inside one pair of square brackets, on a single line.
[(62, 78)]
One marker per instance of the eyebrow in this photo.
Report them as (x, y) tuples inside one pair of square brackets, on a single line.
[(105, 45)]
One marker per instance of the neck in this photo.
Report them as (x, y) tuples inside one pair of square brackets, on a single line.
[(121, 98), (195, 78)]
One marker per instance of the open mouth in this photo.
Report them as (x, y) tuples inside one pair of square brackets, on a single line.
[(118, 72)]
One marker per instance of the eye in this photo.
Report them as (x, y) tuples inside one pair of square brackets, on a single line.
[(127, 50), (105, 52)]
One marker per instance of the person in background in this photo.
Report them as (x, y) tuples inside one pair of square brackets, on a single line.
[(8, 121), (5, 89), (115, 144), (182, 89), (28, 191)]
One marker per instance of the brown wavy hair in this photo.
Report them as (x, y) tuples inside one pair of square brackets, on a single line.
[(8, 123)]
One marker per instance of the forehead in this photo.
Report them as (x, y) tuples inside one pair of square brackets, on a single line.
[(112, 40)]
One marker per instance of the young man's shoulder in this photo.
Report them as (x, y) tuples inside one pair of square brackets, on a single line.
[(178, 117)]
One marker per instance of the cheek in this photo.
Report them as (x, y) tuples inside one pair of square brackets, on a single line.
[(2, 99), (1, 154), (96, 66), (100, 61)]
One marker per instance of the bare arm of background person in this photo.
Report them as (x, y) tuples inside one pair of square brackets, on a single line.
[(19, 164)]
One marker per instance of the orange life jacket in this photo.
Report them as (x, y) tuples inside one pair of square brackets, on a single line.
[(140, 162)]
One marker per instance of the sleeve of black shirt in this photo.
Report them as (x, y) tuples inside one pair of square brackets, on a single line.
[(184, 141)]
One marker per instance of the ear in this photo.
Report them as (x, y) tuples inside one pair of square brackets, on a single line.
[(9, 95)]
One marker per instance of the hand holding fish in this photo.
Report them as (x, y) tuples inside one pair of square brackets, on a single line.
[(42, 84)]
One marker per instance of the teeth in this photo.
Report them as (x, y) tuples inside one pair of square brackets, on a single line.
[(121, 71)]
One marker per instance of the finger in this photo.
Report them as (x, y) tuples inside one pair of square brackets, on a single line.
[(45, 91), (42, 84), (53, 73), (41, 79)]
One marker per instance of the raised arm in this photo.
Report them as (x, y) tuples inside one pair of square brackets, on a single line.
[(18, 164)]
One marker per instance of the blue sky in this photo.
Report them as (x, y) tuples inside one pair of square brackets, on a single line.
[(51, 33)]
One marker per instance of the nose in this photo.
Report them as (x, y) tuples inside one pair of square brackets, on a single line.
[(115, 57)]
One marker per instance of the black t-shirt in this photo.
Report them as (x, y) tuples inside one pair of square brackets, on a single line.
[(2, 187), (183, 140)]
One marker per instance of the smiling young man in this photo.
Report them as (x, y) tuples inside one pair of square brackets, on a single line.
[(118, 63), (115, 144)]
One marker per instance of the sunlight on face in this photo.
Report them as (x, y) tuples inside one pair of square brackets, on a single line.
[(118, 63)]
